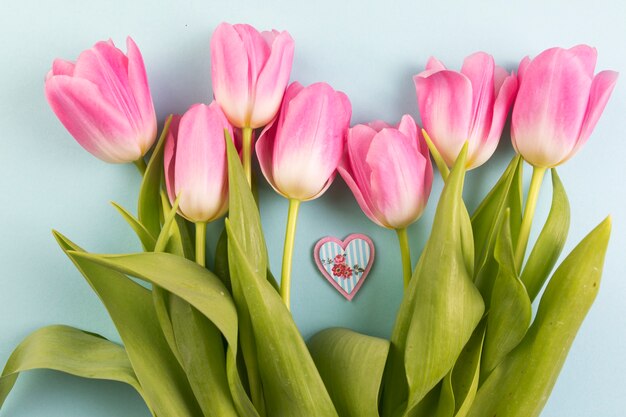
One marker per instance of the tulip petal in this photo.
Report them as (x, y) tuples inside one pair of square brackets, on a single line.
[(499, 75), (378, 125), (587, 56), (107, 67), (63, 67), (360, 199), (264, 149), (445, 103), (434, 65), (408, 127), (257, 50), (396, 179), (550, 107), (138, 82), (501, 108), (201, 162), (521, 69), (96, 125), (309, 143), (229, 70), (479, 69), (601, 88), (169, 157), (359, 140), (273, 80)]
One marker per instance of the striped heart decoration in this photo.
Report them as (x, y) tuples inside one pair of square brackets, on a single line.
[(345, 264)]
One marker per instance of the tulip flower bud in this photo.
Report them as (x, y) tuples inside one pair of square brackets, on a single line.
[(389, 171), (558, 104), (470, 105), (300, 150), (250, 71), (103, 100), (195, 163)]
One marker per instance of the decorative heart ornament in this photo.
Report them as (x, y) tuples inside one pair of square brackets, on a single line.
[(345, 264)]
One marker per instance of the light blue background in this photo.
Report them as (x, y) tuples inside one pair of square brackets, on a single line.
[(370, 51)]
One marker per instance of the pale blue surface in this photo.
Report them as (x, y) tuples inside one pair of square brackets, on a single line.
[(368, 51)]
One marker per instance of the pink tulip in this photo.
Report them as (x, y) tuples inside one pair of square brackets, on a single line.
[(299, 151), (389, 171), (558, 104), (250, 72), (195, 163), (103, 100), (470, 105)]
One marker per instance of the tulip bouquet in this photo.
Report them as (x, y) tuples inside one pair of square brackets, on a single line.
[(222, 342)]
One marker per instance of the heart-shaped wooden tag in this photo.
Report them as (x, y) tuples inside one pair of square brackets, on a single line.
[(345, 264)]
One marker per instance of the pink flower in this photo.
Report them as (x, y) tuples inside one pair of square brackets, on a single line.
[(558, 104), (389, 172), (250, 71), (299, 151), (103, 100), (195, 163), (340, 259), (470, 105)]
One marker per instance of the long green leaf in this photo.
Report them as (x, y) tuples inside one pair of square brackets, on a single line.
[(149, 207), (439, 311), (197, 342), (550, 242), (130, 306), (351, 365), (69, 350), (486, 218), (510, 312), (147, 240), (180, 276), (486, 222), (201, 289), (521, 384), (291, 384), (448, 307)]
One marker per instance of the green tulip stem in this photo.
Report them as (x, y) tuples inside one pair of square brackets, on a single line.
[(290, 237), (529, 213), (141, 166), (405, 253), (201, 243), (247, 153)]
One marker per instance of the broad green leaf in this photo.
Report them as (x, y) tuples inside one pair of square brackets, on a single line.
[(221, 260), (439, 311), (202, 352), (291, 385), (149, 207), (465, 375), (69, 350), (196, 341), (196, 286), (244, 214), (165, 385), (510, 312), (521, 384), (550, 242), (147, 240), (486, 218), (182, 277), (445, 407), (351, 365), (486, 221), (447, 307), (458, 388)]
